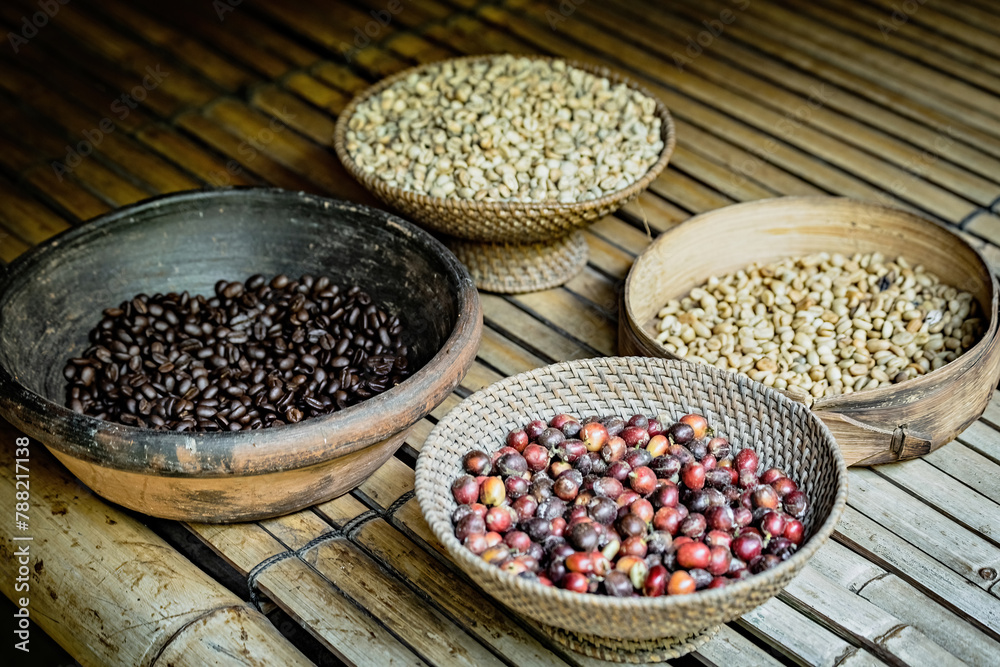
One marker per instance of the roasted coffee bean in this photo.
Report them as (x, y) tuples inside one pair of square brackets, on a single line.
[(276, 351), (283, 402)]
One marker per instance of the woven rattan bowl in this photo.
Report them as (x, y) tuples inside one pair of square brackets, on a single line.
[(783, 432), (507, 246)]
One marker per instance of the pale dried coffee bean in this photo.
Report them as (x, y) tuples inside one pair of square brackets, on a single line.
[(508, 128), (824, 324)]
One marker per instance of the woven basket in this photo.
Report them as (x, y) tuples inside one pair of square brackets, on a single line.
[(783, 433), (516, 268), (501, 222), (877, 426)]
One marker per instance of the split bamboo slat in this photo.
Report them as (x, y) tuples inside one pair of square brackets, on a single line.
[(110, 590), (773, 98)]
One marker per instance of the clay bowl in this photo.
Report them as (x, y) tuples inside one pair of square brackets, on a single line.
[(52, 295)]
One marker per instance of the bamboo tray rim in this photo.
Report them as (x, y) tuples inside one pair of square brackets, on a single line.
[(876, 397)]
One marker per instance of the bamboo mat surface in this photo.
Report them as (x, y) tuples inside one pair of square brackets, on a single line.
[(887, 101)]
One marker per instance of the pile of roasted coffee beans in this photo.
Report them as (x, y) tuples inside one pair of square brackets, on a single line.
[(259, 353), (626, 508)]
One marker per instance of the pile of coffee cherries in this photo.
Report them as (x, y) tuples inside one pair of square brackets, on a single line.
[(626, 507)]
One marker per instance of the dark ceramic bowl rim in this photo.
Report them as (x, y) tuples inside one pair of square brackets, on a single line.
[(268, 450)]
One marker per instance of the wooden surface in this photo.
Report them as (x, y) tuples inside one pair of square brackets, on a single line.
[(790, 97), (160, 608)]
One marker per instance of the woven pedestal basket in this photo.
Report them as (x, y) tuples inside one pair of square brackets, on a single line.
[(782, 432), (515, 268), (510, 233)]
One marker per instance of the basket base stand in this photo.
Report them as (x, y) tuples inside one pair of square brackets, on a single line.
[(633, 651), (516, 268)]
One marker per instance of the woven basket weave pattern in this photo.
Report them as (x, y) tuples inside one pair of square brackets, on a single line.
[(782, 432), (636, 651), (501, 222), (524, 267)]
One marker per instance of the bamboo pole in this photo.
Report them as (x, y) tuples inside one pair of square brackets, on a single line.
[(109, 590)]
